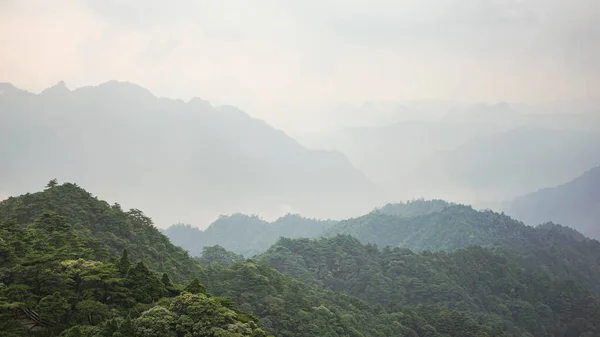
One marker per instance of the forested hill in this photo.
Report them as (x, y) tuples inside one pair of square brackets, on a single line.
[(245, 234), (431, 225), (473, 280), (116, 229), (62, 273), (58, 275), (418, 225), (576, 203), (549, 247)]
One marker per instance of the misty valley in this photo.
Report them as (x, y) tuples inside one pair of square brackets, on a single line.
[(483, 221)]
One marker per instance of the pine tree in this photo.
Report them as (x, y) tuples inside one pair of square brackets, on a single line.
[(166, 281), (52, 183), (195, 287), (123, 263), (144, 286)]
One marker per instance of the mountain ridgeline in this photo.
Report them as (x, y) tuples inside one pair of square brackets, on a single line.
[(476, 154), (473, 280), (62, 273), (108, 228), (433, 225), (205, 160), (75, 266), (576, 203), (243, 234)]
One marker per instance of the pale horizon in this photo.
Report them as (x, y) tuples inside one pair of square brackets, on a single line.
[(288, 63)]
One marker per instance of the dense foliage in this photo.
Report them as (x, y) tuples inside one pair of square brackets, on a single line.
[(473, 281), (549, 249), (219, 255), (55, 282), (449, 228), (289, 308), (113, 228), (244, 234), (74, 266)]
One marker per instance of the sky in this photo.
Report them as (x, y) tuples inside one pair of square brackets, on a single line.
[(288, 61)]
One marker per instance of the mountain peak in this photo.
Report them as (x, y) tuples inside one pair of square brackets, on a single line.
[(57, 89), (125, 89), (200, 104)]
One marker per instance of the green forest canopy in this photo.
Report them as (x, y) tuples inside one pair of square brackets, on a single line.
[(77, 266)]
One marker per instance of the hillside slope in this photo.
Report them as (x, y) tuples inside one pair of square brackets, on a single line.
[(548, 248), (473, 281), (442, 228), (96, 219), (58, 275), (576, 203)]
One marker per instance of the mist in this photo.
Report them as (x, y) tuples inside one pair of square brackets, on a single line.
[(327, 109), (300, 168)]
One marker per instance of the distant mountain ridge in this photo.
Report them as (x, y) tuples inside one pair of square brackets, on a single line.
[(575, 203), (244, 234), (422, 225), (475, 154), (121, 140)]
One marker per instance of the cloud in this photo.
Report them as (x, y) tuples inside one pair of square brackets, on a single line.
[(280, 59)]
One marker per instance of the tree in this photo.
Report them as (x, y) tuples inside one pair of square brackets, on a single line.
[(156, 322), (50, 222), (166, 281), (195, 287), (52, 183), (53, 307), (144, 286), (93, 311), (126, 328), (123, 263)]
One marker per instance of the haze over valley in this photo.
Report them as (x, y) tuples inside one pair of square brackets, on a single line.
[(354, 168), (203, 161)]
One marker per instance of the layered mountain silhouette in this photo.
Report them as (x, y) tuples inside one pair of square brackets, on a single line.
[(476, 154), (244, 234), (198, 160), (576, 203), (514, 162)]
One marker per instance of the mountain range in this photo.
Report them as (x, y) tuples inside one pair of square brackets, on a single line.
[(200, 160), (62, 275), (121, 140), (477, 154), (575, 203)]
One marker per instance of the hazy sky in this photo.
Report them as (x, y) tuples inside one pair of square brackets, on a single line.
[(279, 59)]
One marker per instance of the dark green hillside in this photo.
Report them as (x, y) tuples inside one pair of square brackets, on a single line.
[(549, 248), (289, 308), (115, 228), (219, 255), (55, 278), (54, 281), (452, 227), (74, 266), (473, 281)]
